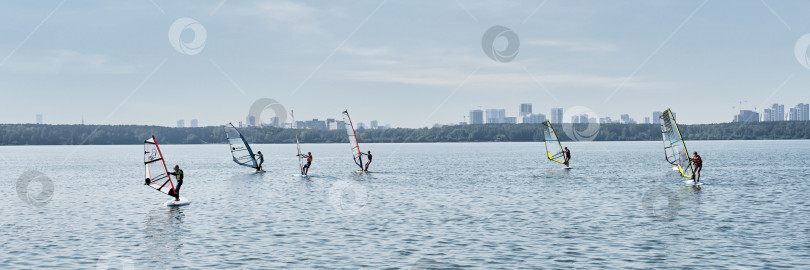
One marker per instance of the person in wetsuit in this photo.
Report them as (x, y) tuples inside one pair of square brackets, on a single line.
[(369, 160), (260, 160), (567, 154), (697, 165), (178, 173), (305, 169)]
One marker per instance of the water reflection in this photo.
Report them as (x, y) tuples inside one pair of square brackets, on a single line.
[(163, 232)]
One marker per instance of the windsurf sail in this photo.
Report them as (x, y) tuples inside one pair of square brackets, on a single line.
[(300, 162), (356, 154), (157, 176), (240, 149), (554, 149), (674, 146)]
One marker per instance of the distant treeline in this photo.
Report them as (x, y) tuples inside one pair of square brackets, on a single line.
[(32, 134)]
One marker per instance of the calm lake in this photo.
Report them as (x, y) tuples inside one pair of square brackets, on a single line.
[(444, 205)]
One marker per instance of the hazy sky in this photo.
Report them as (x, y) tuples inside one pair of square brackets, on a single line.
[(407, 63)]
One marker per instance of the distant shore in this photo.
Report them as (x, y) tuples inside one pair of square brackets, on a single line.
[(34, 134)]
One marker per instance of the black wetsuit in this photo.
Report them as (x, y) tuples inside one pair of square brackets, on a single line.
[(369, 161)]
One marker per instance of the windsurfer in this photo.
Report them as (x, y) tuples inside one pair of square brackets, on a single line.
[(178, 173), (305, 169), (697, 165), (260, 161), (567, 157), (369, 160)]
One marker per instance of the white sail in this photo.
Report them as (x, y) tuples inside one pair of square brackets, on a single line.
[(157, 176), (355, 146), (674, 146), (240, 149)]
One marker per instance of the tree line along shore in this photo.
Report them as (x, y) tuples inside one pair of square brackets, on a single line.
[(34, 134)]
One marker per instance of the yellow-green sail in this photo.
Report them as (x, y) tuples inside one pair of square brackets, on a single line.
[(553, 147)]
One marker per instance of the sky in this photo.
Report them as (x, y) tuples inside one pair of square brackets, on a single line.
[(403, 63)]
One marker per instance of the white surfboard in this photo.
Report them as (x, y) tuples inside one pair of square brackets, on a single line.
[(262, 171), (302, 175), (183, 201), (567, 168), (690, 182)]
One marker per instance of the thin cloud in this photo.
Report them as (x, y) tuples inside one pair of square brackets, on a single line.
[(442, 67), (69, 61), (574, 46)]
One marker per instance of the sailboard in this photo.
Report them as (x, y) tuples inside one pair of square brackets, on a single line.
[(554, 150), (240, 149), (674, 147), (182, 201), (157, 175), (298, 146), (355, 146), (693, 183)]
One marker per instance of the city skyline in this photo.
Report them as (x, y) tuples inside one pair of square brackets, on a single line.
[(375, 59)]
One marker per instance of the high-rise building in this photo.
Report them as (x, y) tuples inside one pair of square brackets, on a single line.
[(181, 123), (535, 118), (194, 123), (626, 119), (315, 124), (39, 119), (496, 116), (656, 117), (336, 125), (803, 112), (510, 120), (646, 120), (361, 126), (330, 122), (556, 115), (747, 116), (793, 115), (778, 112), (583, 119), (476, 117), (374, 124), (250, 121), (525, 109), (274, 122), (768, 115)]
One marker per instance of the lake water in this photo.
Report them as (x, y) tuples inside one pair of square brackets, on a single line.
[(460, 205)]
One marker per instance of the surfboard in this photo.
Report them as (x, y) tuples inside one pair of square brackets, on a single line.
[(183, 201), (567, 168), (690, 182), (302, 175), (360, 171), (262, 171)]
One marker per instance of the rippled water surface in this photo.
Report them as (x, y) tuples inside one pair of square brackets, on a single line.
[(477, 205)]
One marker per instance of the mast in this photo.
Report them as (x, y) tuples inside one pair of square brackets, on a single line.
[(295, 124)]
